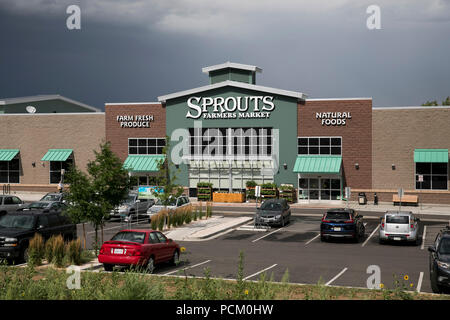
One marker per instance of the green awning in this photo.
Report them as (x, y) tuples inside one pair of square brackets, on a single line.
[(8, 154), (57, 155), (318, 164), (431, 155), (143, 163)]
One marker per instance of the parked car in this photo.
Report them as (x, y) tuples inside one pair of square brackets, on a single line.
[(342, 223), (9, 203), (399, 226), (273, 212), (174, 203), (53, 197), (45, 206), (16, 230), (440, 261), (132, 205), (138, 248)]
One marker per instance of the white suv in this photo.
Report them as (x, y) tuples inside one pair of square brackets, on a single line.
[(399, 226)]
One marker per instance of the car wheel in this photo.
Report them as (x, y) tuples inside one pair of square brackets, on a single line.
[(434, 285), (381, 241), (175, 258), (282, 222), (150, 265), (24, 255), (108, 267), (323, 239)]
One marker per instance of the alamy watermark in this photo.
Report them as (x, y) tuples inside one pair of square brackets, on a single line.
[(374, 20), (73, 22)]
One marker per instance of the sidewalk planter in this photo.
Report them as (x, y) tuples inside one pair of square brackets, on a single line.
[(204, 191), (228, 197)]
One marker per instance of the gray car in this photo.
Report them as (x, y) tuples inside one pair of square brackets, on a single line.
[(174, 203), (399, 226), (53, 197), (9, 203), (46, 206), (132, 207), (273, 212)]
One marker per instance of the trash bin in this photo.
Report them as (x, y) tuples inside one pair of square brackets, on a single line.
[(362, 199), (375, 199)]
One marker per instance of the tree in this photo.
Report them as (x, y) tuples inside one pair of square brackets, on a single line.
[(446, 102), (430, 103), (92, 197), (166, 179)]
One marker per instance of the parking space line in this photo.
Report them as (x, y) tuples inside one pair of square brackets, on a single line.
[(267, 235), (312, 239), (423, 237), (373, 232), (337, 276), (190, 267), (419, 283), (255, 274)]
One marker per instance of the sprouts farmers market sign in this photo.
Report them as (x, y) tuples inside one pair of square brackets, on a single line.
[(230, 107)]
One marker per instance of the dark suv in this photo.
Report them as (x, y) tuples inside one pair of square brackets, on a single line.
[(440, 261), (16, 230), (342, 223)]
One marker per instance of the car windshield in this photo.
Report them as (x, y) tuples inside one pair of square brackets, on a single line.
[(271, 206), (444, 247), (51, 197), (338, 215), (38, 205), (17, 222), (130, 199), (130, 236), (397, 219), (172, 202)]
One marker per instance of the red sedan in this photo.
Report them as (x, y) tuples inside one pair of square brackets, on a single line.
[(144, 248)]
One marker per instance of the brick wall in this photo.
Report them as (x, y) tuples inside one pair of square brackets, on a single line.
[(356, 135), (35, 134), (119, 136)]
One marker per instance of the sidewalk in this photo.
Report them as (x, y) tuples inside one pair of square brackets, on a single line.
[(205, 229)]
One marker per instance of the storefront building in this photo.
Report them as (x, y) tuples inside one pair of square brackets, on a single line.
[(232, 131)]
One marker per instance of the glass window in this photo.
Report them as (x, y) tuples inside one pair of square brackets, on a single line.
[(9, 171), (319, 145), (431, 176), (153, 238), (161, 237), (55, 169), (129, 236), (146, 145)]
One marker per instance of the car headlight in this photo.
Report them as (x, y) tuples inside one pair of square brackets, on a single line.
[(443, 265), (10, 242), (123, 207), (278, 216)]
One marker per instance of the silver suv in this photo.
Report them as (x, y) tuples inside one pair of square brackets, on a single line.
[(9, 203), (399, 226), (174, 203), (132, 206)]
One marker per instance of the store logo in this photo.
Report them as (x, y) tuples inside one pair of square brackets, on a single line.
[(333, 118), (225, 108)]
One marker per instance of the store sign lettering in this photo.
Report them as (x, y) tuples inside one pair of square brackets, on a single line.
[(135, 121), (333, 118), (230, 107)]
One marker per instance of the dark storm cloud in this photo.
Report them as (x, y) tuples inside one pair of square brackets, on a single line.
[(139, 50)]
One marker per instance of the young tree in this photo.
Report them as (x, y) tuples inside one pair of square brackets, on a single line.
[(92, 197)]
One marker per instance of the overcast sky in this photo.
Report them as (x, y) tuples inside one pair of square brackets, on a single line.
[(135, 50)]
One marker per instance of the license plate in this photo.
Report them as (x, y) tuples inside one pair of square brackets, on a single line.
[(337, 229), (397, 238), (117, 251)]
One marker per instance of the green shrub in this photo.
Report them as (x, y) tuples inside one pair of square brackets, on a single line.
[(208, 209), (36, 250), (251, 184), (73, 252), (58, 251)]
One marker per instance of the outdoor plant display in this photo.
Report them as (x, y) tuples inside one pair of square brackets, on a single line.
[(36, 250), (287, 192), (204, 191), (250, 189), (269, 190)]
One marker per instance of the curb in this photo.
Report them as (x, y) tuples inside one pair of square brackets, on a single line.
[(222, 230)]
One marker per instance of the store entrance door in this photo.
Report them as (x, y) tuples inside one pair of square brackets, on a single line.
[(319, 188)]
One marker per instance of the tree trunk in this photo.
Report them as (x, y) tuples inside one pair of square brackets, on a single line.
[(102, 233), (96, 240)]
